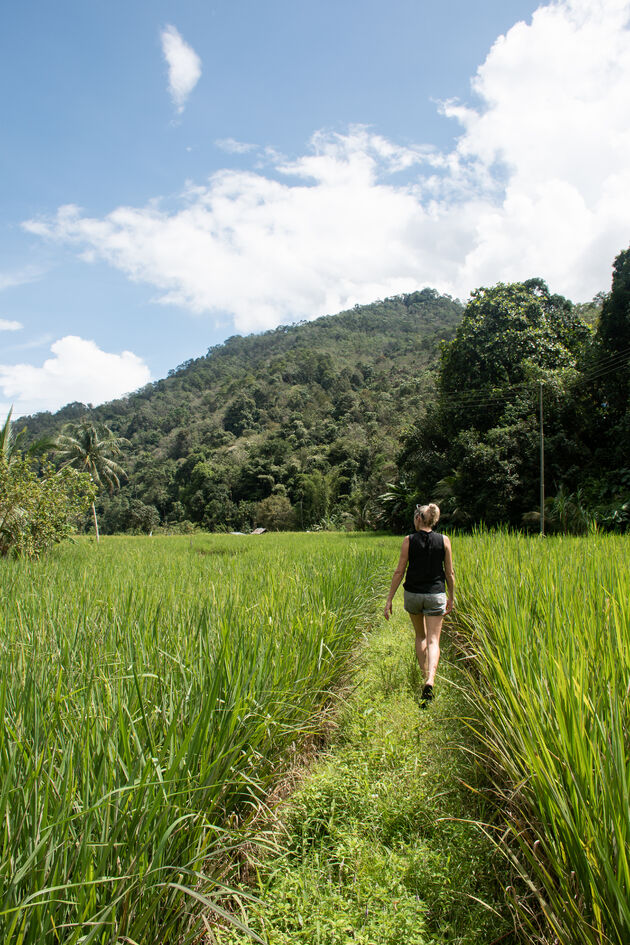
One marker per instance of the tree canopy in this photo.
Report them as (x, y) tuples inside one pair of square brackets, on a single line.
[(311, 413), (89, 449), (476, 448), (352, 418)]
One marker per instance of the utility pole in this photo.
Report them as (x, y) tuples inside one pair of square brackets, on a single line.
[(542, 464)]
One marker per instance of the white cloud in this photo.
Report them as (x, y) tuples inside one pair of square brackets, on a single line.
[(78, 371), (184, 66), (8, 325), (556, 117), (9, 280), (232, 146), (538, 184)]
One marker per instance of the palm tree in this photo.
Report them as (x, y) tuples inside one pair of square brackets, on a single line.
[(8, 440), (89, 448), (396, 505), (11, 443)]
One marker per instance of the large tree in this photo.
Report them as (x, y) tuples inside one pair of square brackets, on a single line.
[(612, 350), (602, 403), (90, 448), (477, 444)]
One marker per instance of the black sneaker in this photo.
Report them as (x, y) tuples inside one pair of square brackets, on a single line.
[(426, 697)]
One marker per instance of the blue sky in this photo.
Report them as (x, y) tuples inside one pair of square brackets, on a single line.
[(173, 174)]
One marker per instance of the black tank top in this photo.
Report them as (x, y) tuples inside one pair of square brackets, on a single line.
[(425, 570)]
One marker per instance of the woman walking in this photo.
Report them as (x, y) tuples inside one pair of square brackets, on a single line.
[(426, 558)]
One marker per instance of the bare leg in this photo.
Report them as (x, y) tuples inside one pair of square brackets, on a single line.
[(432, 645), (421, 642)]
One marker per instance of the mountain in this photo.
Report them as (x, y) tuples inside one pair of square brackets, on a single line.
[(288, 428)]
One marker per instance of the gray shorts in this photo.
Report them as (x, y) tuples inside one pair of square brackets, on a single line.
[(431, 605)]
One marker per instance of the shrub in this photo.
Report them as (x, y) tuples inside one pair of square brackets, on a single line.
[(275, 513), (37, 511)]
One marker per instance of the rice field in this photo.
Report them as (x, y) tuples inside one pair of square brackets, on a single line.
[(152, 690), (548, 622)]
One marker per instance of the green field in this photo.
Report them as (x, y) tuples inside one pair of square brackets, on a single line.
[(153, 689), (548, 630)]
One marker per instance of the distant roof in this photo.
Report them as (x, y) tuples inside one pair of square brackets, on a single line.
[(259, 531)]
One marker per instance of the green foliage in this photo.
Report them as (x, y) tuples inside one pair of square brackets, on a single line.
[(614, 321), (548, 634), (39, 510), (609, 365), (275, 513), (508, 334), (378, 843), (396, 506), (478, 445), (314, 409), (150, 696), (13, 444), (9, 441), (89, 448), (339, 413)]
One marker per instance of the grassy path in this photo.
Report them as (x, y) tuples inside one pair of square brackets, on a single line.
[(376, 845)]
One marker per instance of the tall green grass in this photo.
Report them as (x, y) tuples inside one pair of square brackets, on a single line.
[(150, 691), (550, 626)]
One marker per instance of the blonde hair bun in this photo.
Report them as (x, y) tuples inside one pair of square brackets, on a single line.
[(430, 514)]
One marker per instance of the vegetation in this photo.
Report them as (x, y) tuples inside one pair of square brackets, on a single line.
[(90, 449), (150, 696), (9, 440), (307, 416), (38, 508), (379, 842), (345, 421), (549, 639), (153, 693), (476, 449)]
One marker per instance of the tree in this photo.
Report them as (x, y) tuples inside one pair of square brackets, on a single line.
[(241, 415), (275, 513), (509, 335), (9, 440), (141, 517), (37, 511), (481, 436), (89, 448), (11, 443), (612, 343), (614, 322)]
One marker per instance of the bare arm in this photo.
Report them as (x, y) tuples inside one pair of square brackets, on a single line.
[(397, 577), (449, 574)]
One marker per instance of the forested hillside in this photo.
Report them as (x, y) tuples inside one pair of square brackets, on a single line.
[(350, 419), (290, 428), (526, 369)]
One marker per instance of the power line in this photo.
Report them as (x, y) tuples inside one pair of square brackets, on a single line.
[(509, 393), (606, 366)]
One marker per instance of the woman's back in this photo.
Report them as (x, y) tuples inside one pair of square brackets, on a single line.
[(425, 571)]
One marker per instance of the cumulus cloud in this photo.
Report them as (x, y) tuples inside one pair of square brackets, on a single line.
[(184, 66), (538, 183), (78, 371), (9, 325), (555, 118)]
